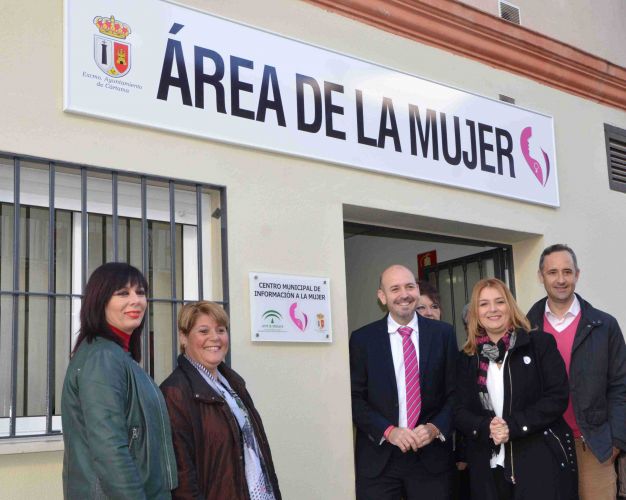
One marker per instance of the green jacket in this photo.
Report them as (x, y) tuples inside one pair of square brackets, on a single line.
[(116, 429)]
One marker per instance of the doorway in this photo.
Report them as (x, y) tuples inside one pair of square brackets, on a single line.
[(461, 262)]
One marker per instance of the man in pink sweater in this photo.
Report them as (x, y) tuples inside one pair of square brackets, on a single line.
[(592, 346)]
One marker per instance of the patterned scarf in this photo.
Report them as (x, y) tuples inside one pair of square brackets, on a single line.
[(488, 351)]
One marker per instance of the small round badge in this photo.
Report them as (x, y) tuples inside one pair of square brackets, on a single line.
[(527, 360)]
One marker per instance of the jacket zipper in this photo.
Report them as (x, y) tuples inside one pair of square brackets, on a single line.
[(560, 444), (134, 434), (510, 412)]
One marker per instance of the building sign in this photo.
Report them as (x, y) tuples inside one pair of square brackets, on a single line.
[(289, 308), (185, 71), (424, 260)]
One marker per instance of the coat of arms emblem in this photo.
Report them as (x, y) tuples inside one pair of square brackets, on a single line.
[(111, 51)]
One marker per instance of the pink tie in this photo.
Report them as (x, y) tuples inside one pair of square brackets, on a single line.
[(412, 378)]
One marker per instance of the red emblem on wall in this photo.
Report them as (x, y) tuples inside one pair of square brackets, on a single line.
[(424, 260)]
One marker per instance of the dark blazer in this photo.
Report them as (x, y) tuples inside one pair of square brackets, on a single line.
[(207, 439), (597, 377), (539, 458), (375, 393)]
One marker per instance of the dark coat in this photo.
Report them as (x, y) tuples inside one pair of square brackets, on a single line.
[(597, 377), (375, 394), (540, 457), (206, 436)]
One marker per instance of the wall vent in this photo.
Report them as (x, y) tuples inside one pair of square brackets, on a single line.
[(509, 12), (616, 157)]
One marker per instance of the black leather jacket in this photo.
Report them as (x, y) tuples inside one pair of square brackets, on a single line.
[(597, 377)]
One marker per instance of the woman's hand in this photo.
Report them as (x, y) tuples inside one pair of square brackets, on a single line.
[(499, 430)]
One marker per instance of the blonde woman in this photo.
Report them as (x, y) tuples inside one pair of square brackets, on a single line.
[(512, 392)]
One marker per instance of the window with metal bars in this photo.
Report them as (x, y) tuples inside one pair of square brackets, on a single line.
[(58, 222), (616, 157)]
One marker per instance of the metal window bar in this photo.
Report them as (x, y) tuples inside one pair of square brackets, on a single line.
[(224, 242), (16, 286), (103, 244), (451, 275), (50, 362), (199, 241), (83, 227), (172, 200), (465, 287), (26, 306), (52, 295), (508, 267), (145, 268), (61, 295), (114, 217)]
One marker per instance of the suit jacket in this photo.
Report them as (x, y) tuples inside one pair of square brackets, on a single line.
[(375, 393)]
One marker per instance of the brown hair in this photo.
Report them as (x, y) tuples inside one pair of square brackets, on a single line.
[(189, 314), (474, 329), (430, 291)]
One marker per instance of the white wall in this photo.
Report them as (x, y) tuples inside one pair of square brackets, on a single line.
[(302, 391)]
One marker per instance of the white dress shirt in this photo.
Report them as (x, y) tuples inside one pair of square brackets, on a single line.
[(397, 353), (495, 388), (560, 324)]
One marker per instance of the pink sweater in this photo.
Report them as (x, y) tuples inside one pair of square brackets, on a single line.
[(564, 342)]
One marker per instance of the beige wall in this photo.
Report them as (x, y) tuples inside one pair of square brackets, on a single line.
[(592, 26), (302, 391), (31, 475)]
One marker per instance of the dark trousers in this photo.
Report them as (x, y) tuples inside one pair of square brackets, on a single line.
[(460, 485), (504, 489), (404, 477)]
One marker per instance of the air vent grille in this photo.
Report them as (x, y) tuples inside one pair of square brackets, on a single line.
[(616, 157), (510, 12)]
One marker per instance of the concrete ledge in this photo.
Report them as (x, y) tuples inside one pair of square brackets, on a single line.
[(31, 445)]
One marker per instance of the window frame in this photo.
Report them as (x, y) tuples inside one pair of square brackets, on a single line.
[(26, 429)]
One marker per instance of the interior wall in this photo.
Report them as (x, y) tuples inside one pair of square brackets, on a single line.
[(367, 256)]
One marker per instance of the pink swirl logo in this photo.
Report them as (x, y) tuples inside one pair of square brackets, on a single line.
[(534, 165), (299, 319)]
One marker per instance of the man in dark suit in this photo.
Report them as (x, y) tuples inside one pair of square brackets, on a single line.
[(402, 377)]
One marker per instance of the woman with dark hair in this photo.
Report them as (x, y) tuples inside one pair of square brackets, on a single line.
[(429, 302), (116, 429), (220, 444), (512, 392)]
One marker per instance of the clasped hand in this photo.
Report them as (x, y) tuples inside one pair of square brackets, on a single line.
[(499, 430), (411, 439)]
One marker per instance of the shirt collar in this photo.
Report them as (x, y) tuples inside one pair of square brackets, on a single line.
[(573, 310), (392, 326)]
